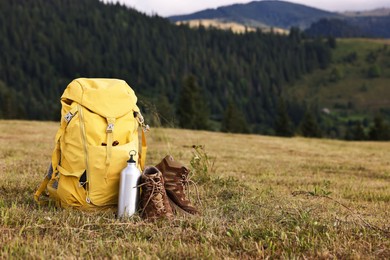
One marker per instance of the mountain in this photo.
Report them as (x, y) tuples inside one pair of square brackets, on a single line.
[(262, 14), (281, 16)]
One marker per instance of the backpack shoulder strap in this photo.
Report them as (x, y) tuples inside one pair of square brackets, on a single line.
[(142, 156), (145, 128)]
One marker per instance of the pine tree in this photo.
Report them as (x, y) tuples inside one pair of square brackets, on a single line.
[(191, 109), (380, 131), (358, 132), (309, 126), (332, 42), (355, 132), (165, 111), (283, 125), (234, 120)]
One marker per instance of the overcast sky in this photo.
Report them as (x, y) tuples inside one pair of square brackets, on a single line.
[(173, 7)]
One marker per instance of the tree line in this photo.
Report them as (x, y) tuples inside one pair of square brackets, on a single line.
[(192, 78)]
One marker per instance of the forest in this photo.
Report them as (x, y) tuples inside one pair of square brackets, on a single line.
[(365, 26), (191, 78)]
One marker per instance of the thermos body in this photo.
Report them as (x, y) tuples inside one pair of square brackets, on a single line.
[(128, 189)]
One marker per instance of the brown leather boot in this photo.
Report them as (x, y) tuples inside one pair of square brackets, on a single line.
[(176, 182), (154, 200)]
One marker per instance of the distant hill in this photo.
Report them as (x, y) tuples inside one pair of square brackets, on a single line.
[(262, 14), (353, 88), (281, 16), (375, 12), (358, 26), (335, 27)]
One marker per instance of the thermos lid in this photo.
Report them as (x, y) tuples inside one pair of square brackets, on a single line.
[(131, 160)]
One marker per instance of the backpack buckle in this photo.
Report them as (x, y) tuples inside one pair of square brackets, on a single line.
[(141, 121), (70, 114), (68, 117), (110, 128)]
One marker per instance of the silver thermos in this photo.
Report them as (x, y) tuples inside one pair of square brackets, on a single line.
[(128, 188)]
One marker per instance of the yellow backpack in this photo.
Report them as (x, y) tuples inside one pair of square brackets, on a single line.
[(99, 128)]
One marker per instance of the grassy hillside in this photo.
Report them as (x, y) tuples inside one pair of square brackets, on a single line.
[(355, 85), (276, 197)]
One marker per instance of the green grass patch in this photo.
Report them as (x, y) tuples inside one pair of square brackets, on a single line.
[(356, 82)]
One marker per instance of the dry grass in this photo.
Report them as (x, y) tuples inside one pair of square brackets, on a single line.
[(264, 197)]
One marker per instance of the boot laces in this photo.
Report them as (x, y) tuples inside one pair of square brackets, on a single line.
[(186, 181), (157, 194)]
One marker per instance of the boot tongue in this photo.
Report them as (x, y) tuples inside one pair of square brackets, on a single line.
[(151, 171), (172, 163)]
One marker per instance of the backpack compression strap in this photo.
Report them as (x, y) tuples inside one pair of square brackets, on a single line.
[(48, 177), (41, 189), (56, 153)]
